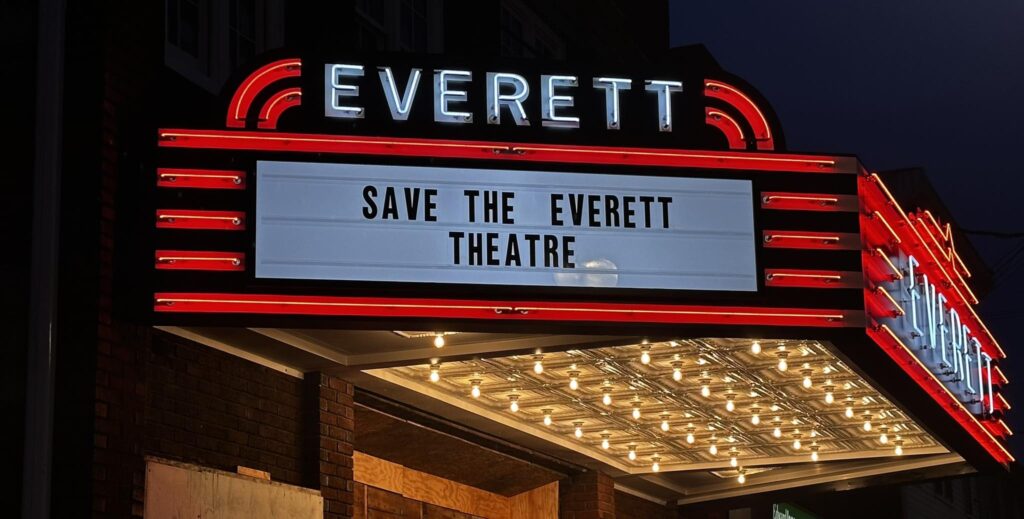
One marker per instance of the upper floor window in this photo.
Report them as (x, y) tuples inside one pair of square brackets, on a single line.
[(525, 35), (399, 25), (207, 40)]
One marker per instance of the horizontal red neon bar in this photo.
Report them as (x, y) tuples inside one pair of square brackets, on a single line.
[(808, 202), (200, 220), (515, 310), (200, 178), (811, 240), (390, 146), (899, 352), (797, 278), (199, 260)]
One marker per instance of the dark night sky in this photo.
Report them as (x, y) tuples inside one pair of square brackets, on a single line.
[(937, 84)]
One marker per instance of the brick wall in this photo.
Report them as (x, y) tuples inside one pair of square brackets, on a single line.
[(628, 506), (213, 409), (590, 495), (329, 441)]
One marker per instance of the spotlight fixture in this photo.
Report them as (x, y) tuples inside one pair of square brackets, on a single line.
[(677, 371), (645, 355), (829, 392), (606, 397), (755, 415), (574, 380), (849, 407), (867, 421), (636, 409), (755, 347), (547, 415), (742, 477), (705, 384), (899, 447), (538, 364), (777, 431), (632, 453), (655, 463), (435, 372), (664, 422), (782, 354), (814, 451), (713, 448), (730, 401), (733, 452), (474, 387), (806, 372), (513, 403), (796, 440), (884, 438), (605, 444), (577, 429), (689, 434), (439, 340)]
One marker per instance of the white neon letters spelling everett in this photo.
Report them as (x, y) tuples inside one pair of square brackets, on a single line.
[(942, 340), (505, 93)]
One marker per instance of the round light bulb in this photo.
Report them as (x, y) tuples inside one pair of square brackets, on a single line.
[(849, 412), (664, 424), (742, 478), (705, 391), (755, 347), (783, 365), (645, 357), (689, 438), (514, 406), (636, 413), (807, 382), (733, 461), (730, 405), (899, 448), (435, 372), (547, 417), (439, 340), (655, 466), (605, 444), (677, 374), (867, 425), (777, 432), (475, 391), (797, 444), (574, 384), (606, 399), (884, 438), (713, 449), (814, 455), (829, 397), (578, 431), (632, 453), (538, 367)]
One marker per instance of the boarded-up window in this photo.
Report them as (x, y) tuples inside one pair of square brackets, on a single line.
[(175, 490)]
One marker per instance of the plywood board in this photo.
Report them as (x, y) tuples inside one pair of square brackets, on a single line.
[(175, 490), (539, 503)]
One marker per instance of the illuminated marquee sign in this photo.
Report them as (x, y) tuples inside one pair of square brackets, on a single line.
[(922, 312), (503, 227)]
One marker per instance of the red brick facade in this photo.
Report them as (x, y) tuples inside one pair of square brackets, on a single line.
[(590, 495), (330, 441)]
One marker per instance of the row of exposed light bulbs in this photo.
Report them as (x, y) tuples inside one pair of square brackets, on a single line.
[(677, 375)]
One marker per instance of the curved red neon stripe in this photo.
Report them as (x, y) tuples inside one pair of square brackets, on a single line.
[(276, 105), (737, 99), (728, 126), (238, 108)]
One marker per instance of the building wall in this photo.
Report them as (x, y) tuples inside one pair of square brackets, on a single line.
[(628, 506), (217, 410)]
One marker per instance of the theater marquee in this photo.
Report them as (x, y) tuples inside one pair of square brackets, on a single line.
[(354, 191)]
